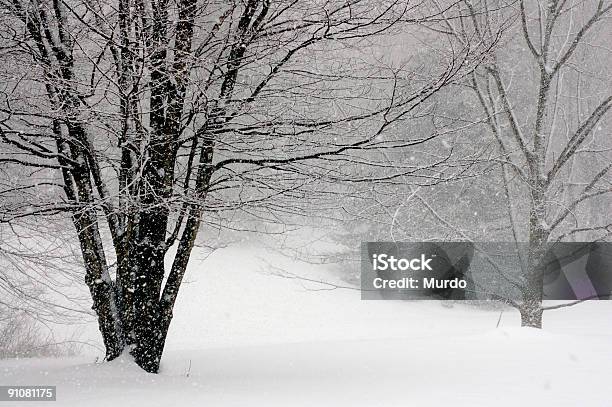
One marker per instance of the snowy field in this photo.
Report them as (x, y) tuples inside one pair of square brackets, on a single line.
[(243, 336)]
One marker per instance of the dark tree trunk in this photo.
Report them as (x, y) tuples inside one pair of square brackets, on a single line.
[(149, 276), (78, 188)]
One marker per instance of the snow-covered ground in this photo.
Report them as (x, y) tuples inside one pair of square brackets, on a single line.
[(244, 336)]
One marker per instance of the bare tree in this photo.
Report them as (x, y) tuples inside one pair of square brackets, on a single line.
[(544, 107), (534, 121), (144, 117)]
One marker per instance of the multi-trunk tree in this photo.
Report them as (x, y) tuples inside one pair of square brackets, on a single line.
[(156, 114)]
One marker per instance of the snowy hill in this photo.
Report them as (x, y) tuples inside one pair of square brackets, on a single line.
[(245, 336)]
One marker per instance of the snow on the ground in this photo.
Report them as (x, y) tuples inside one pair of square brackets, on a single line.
[(245, 336)]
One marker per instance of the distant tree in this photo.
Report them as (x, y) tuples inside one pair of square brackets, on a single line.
[(546, 98), (533, 122)]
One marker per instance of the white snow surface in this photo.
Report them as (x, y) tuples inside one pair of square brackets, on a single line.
[(243, 336)]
